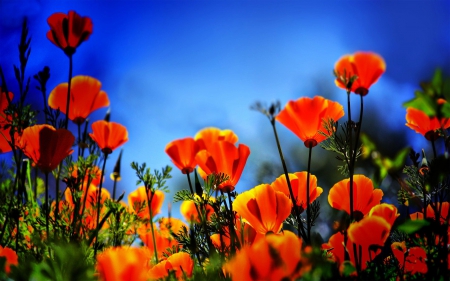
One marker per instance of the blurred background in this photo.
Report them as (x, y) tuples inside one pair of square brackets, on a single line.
[(171, 68)]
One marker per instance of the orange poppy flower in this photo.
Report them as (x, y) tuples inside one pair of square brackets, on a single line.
[(274, 257), (108, 135), (442, 208), (85, 97), (123, 263), (189, 211), (387, 211), (305, 117), (163, 239), (246, 235), (371, 230), (366, 66), (224, 157), (169, 225), (11, 258), (94, 173), (181, 264), (138, 202), (182, 152), (206, 137), (264, 208), (335, 247), (366, 235), (364, 195), (90, 220), (159, 271), (68, 31), (298, 184), (46, 146), (425, 125)]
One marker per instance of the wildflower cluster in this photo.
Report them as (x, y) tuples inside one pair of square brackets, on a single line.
[(59, 222)]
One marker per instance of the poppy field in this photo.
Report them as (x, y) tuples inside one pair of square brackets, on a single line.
[(58, 220)]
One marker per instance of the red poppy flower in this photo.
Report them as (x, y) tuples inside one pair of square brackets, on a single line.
[(364, 195), (366, 66), (108, 135), (46, 146), (123, 263), (5, 137), (11, 258), (298, 183), (423, 124), (224, 157), (68, 31), (138, 202), (4, 105), (85, 97), (182, 152), (411, 260), (305, 117), (264, 208)]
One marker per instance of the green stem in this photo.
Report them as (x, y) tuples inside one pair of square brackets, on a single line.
[(193, 194), (99, 204), (294, 201), (308, 208), (350, 166), (46, 205), (149, 201), (434, 149), (233, 237)]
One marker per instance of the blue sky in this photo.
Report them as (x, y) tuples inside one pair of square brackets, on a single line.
[(172, 68)]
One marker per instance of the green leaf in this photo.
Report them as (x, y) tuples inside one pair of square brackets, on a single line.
[(423, 102), (183, 195), (445, 110), (412, 226), (436, 81), (367, 145), (399, 159), (348, 268)]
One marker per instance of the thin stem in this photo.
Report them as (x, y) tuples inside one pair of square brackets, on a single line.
[(434, 148), (192, 191), (57, 196), (350, 166), (294, 201), (308, 208), (79, 139), (114, 189), (99, 203), (46, 205), (149, 203), (233, 237), (66, 123)]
